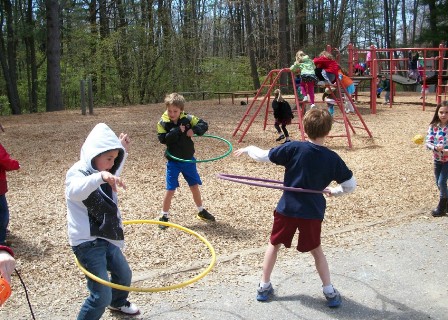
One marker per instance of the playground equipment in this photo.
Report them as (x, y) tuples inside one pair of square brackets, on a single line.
[(263, 97), (394, 63)]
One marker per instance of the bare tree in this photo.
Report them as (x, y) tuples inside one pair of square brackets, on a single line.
[(54, 94), (251, 45), (8, 56), (31, 56)]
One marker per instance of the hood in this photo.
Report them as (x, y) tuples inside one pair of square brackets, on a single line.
[(99, 140)]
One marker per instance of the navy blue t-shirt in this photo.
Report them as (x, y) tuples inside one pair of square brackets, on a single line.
[(307, 166)]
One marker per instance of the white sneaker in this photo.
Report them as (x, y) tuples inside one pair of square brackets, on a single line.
[(312, 106), (128, 308), (305, 99)]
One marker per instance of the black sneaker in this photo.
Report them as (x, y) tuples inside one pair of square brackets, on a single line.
[(205, 215), (281, 137), (163, 219)]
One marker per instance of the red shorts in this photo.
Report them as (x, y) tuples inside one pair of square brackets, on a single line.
[(284, 229)]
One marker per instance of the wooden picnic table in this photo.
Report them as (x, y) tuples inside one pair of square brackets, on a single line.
[(203, 93), (234, 94)]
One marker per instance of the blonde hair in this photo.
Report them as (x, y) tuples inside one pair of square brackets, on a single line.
[(299, 56), (326, 54), (175, 99), (278, 95)]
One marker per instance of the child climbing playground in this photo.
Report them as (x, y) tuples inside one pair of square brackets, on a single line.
[(304, 66), (282, 114)]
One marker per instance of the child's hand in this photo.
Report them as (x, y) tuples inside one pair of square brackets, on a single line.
[(7, 265), (438, 148), (182, 128), (239, 152), (190, 133), (125, 141), (112, 180)]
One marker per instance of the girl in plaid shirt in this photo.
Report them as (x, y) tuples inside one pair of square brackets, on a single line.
[(436, 141)]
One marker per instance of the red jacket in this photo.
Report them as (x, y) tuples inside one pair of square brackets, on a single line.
[(327, 64), (6, 164)]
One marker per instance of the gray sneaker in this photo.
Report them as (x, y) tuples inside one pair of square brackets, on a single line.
[(264, 294), (333, 299)]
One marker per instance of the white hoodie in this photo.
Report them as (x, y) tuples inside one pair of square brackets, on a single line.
[(92, 210)]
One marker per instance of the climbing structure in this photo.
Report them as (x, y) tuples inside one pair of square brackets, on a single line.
[(394, 63), (263, 97)]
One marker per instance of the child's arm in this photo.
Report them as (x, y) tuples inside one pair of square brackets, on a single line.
[(430, 143), (6, 162), (345, 187), (200, 127), (295, 68), (254, 152), (125, 141)]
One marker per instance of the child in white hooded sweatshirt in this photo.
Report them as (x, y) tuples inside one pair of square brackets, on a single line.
[(95, 228)]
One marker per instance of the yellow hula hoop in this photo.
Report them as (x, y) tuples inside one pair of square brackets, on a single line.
[(166, 288)]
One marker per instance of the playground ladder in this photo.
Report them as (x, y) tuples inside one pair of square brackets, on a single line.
[(344, 96), (263, 97)]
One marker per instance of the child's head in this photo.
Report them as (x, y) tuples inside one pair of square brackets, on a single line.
[(317, 123), (174, 103), (105, 161), (278, 95), (440, 114), (299, 56), (326, 54)]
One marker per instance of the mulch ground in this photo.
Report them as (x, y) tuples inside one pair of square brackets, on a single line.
[(394, 175)]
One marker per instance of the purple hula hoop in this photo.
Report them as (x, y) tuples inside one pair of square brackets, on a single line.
[(262, 183)]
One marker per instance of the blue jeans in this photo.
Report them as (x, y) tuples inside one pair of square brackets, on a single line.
[(98, 257), (441, 175), (4, 218)]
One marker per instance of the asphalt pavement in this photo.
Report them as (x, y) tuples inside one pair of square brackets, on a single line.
[(400, 274)]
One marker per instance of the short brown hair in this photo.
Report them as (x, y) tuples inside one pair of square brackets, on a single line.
[(175, 99), (317, 123)]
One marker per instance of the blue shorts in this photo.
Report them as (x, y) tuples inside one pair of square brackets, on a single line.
[(188, 170)]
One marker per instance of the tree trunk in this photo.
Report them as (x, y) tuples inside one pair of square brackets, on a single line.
[(251, 46), (31, 56), (54, 94), (8, 58), (283, 36)]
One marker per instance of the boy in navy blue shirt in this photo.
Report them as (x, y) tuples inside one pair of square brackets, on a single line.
[(308, 165)]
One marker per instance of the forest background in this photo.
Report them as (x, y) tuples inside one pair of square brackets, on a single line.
[(134, 52)]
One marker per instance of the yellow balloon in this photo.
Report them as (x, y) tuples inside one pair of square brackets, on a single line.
[(418, 139)]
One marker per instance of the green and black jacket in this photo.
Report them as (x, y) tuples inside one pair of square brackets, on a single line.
[(177, 142)]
